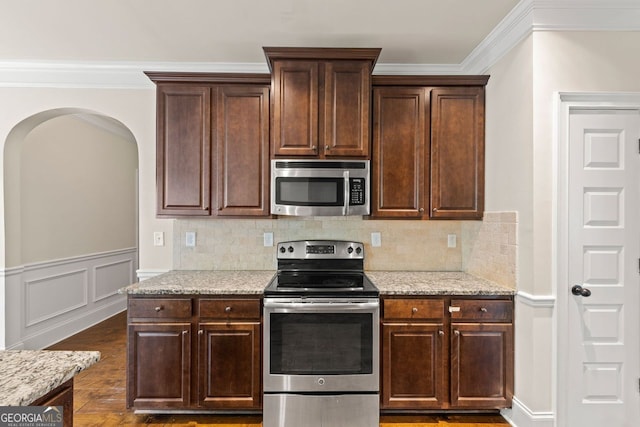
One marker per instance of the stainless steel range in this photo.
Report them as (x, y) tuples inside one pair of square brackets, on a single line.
[(321, 334)]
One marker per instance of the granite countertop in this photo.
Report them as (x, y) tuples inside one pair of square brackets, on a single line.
[(27, 375), (434, 283), (204, 282), (215, 282)]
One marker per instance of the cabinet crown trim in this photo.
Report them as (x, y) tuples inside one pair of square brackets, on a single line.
[(322, 53)]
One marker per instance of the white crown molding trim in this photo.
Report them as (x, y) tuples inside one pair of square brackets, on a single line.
[(526, 17), (539, 301)]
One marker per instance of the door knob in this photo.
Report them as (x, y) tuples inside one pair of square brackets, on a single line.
[(580, 291)]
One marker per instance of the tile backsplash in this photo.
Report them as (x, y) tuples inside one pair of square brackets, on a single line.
[(232, 244)]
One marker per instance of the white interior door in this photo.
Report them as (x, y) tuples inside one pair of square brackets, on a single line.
[(603, 322)]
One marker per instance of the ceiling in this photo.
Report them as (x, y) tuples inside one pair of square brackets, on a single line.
[(234, 31)]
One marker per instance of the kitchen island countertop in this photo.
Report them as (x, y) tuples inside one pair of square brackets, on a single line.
[(248, 282), (27, 375)]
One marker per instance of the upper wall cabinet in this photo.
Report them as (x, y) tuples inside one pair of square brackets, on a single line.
[(320, 101), (428, 147), (212, 144)]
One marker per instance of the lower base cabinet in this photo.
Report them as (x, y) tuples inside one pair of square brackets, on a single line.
[(447, 353), (167, 368), (59, 396)]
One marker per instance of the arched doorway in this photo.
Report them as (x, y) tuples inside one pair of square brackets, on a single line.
[(71, 218)]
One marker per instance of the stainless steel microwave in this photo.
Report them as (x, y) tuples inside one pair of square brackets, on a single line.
[(320, 187)]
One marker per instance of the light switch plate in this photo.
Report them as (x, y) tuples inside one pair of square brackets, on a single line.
[(452, 241), (190, 239), (268, 239), (376, 239), (158, 238)]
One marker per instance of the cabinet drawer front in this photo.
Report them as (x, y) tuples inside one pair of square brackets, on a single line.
[(230, 308), (160, 308), (413, 309), (482, 310)]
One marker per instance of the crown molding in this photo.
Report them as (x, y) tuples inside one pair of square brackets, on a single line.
[(526, 17)]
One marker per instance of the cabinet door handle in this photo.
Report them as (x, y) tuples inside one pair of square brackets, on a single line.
[(483, 309), (435, 209), (456, 332), (159, 308), (327, 148), (441, 333), (200, 332), (227, 309), (421, 210), (185, 332)]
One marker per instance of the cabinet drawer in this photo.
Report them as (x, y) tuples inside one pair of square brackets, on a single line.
[(413, 309), (230, 308), (482, 310), (160, 308)]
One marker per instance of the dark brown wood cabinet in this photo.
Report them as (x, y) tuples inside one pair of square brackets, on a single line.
[(447, 353), (183, 159), (229, 346), (428, 147), (321, 101), (220, 370), (481, 353), (414, 361), (59, 396), (212, 144)]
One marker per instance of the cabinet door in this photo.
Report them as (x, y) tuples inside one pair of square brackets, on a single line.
[(400, 138), (481, 365), (229, 374), (241, 150), (183, 160), (345, 108), (457, 152), (295, 108), (413, 366), (159, 365)]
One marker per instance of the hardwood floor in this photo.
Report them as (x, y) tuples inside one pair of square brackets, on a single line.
[(99, 392)]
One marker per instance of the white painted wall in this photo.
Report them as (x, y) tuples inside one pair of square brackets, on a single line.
[(77, 190), (520, 173)]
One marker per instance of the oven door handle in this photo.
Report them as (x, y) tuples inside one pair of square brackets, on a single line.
[(284, 307)]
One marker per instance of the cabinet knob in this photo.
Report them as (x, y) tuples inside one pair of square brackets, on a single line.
[(313, 147), (326, 147), (185, 332), (483, 309), (456, 332), (421, 210), (435, 209), (441, 333), (414, 310), (227, 309), (200, 332), (159, 308)]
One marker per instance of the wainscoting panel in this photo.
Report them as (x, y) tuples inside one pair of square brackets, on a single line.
[(49, 301)]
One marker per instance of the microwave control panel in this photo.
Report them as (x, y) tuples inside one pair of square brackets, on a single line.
[(356, 196)]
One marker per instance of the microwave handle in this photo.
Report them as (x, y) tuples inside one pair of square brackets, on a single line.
[(345, 208)]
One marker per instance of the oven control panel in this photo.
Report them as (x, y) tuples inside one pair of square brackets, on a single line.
[(314, 249)]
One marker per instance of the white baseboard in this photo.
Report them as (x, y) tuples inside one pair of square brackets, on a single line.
[(521, 416), (48, 301)]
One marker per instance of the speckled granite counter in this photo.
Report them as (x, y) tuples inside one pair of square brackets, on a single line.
[(204, 282), (434, 283), (28, 375)]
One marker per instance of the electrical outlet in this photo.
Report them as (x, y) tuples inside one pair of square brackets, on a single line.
[(190, 239), (376, 239), (451, 241), (268, 239), (158, 238)]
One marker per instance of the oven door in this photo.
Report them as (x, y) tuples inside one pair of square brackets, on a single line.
[(321, 345)]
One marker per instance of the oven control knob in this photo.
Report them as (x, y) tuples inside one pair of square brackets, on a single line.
[(282, 249), (350, 250), (290, 249), (320, 381), (358, 250)]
